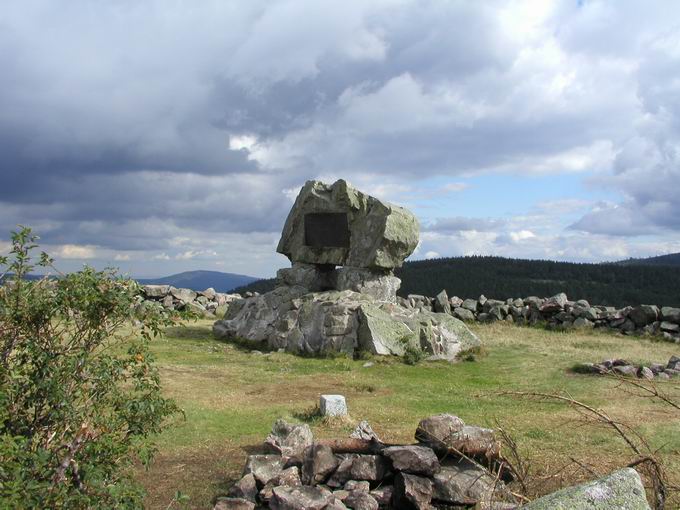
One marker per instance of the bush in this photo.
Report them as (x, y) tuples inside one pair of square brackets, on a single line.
[(81, 397)]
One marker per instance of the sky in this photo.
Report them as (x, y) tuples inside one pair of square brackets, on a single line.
[(164, 136)]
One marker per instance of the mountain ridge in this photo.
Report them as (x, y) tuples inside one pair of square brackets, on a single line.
[(201, 280)]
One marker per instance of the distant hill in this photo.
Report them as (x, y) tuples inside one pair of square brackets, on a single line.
[(610, 284), (672, 259), (201, 280)]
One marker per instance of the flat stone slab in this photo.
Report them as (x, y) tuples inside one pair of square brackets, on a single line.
[(333, 405)]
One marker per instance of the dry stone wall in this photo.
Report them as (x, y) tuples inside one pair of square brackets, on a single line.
[(556, 312)]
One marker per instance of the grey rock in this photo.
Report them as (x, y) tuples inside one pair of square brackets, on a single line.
[(356, 485), (670, 327), (554, 303), (264, 467), (289, 477), (364, 431), (626, 370), (289, 439), (644, 314), (335, 504), (470, 304), (300, 498), (369, 467), (245, 488), (382, 235), (438, 431), (156, 291), (674, 363), (168, 302), (620, 490), (361, 500), (465, 483), (463, 314), (309, 276), (582, 323), (196, 308), (233, 504), (670, 314), (377, 284), (411, 492), (209, 293), (455, 302), (184, 296), (382, 494), (319, 462), (441, 303), (418, 460), (645, 373), (343, 472)]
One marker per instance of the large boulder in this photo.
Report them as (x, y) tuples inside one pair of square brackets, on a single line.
[(339, 225), (620, 490), (341, 321), (644, 314)]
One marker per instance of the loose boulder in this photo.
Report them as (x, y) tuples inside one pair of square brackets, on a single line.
[(620, 490)]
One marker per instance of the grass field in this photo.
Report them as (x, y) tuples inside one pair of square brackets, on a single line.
[(232, 396)]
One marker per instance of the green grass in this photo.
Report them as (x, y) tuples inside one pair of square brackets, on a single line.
[(231, 398)]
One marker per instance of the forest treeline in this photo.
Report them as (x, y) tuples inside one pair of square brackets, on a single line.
[(609, 284)]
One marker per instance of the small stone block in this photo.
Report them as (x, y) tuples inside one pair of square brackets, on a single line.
[(333, 405)]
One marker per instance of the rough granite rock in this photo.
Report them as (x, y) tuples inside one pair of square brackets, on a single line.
[(300, 498), (156, 291), (463, 482), (382, 235), (264, 467), (441, 303), (233, 504), (341, 321), (644, 314), (360, 500), (620, 490), (417, 460), (289, 439), (411, 492), (319, 462), (438, 431), (289, 477), (245, 488), (368, 467)]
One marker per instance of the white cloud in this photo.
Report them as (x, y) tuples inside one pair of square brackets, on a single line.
[(122, 257), (72, 251)]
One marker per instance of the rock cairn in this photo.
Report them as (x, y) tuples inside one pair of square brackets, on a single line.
[(447, 468), (557, 312), (621, 367), (361, 472), (340, 295), (207, 303)]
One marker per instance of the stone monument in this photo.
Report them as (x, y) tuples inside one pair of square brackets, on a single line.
[(340, 293)]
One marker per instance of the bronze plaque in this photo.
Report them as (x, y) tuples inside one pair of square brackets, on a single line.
[(326, 230)]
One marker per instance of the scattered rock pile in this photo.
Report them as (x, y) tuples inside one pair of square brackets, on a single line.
[(207, 303), (447, 468), (621, 367), (363, 473), (557, 311)]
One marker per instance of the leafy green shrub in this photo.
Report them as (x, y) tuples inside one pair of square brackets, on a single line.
[(80, 396)]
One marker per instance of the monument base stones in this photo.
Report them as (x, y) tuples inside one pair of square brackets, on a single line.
[(319, 308)]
